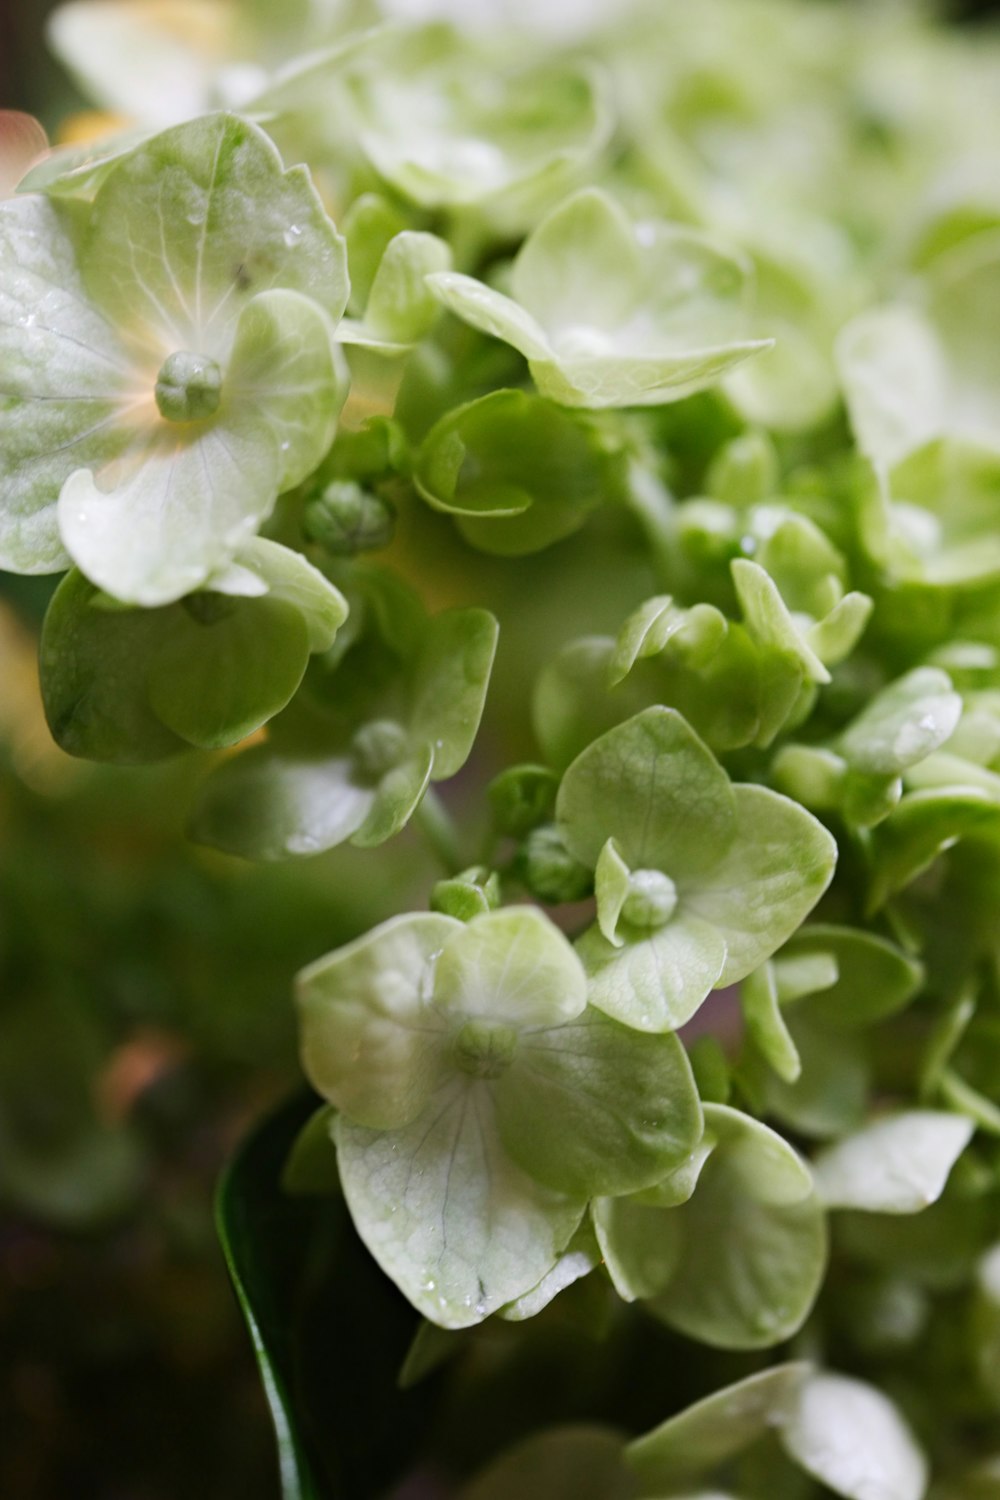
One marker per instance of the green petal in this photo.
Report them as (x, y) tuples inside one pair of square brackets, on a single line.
[(870, 978), (656, 789), (574, 1463), (592, 1107), (766, 1025), (397, 796), (370, 1044), (287, 575), (446, 1213), (582, 261), (779, 863), (893, 375), (654, 982), (512, 965), (898, 1165), (491, 312)]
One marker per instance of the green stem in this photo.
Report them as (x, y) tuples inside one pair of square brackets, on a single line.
[(438, 828)]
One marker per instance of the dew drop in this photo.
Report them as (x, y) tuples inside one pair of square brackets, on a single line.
[(292, 234)]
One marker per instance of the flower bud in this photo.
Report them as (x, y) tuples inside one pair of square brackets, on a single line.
[(188, 387), (346, 519), (549, 871), (651, 899)]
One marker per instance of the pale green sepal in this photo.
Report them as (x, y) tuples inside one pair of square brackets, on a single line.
[(752, 1241), (715, 1429), (78, 171), (593, 1107), (450, 683), (66, 382), (640, 1245), (654, 982), (852, 1438), (779, 863), (369, 1042), (266, 805), (765, 1024), (284, 574), (489, 311), (770, 622), (676, 1188), (852, 978), (398, 794), (923, 826), (659, 625), (835, 636), (611, 888), (656, 788), (446, 1213), (401, 308), (512, 965), (581, 1256), (898, 1165), (903, 724)]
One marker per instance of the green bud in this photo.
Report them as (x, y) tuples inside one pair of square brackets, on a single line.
[(379, 746), (188, 387), (549, 871), (470, 894), (484, 1049), (521, 798), (651, 899), (346, 519)]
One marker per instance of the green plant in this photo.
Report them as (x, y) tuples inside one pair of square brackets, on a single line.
[(669, 350)]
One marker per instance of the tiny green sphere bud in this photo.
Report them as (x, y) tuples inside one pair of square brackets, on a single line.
[(188, 387), (379, 746), (651, 899), (484, 1049), (550, 872), (470, 894), (346, 519)]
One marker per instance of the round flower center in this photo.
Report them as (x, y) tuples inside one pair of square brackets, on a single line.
[(188, 387), (651, 899), (484, 1049)]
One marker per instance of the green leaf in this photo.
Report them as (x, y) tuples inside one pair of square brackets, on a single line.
[(778, 865), (370, 1043), (656, 789), (449, 687), (898, 1165), (852, 1439), (593, 1107), (568, 1463), (446, 1213), (715, 1429), (752, 1241), (517, 472), (512, 965)]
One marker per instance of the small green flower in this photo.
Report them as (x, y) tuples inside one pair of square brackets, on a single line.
[(168, 363), (482, 1102), (698, 880), (611, 313)]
